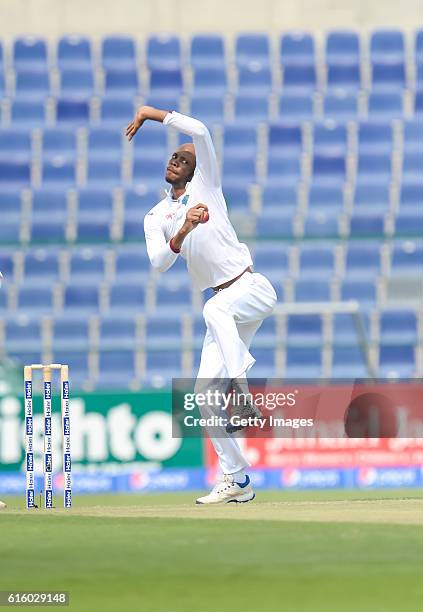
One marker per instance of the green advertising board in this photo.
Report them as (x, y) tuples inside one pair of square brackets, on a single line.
[(109, 431)]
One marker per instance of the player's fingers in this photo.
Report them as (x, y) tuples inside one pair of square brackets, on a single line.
[(202, 207)]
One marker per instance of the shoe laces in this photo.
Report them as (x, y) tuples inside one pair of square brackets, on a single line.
[(225, 482)]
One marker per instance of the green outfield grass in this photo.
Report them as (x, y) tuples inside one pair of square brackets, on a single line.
[(297, 551)]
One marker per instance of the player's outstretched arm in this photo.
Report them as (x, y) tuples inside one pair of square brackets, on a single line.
[(143, 114)]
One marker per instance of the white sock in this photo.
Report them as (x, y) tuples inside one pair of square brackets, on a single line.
[(239, 476)]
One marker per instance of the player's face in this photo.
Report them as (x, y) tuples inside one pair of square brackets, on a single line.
[(180, 167)]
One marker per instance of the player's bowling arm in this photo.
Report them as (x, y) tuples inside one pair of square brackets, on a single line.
[(161, 256)]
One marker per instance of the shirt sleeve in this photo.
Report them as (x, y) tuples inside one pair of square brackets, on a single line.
[(207, 166), (159, 252)]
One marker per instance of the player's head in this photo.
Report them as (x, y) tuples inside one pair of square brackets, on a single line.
[(181, 166)]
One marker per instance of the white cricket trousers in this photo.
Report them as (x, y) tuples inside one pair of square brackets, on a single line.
[(232, 315)]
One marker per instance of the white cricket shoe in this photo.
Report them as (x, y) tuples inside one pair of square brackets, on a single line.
[(228, 491)]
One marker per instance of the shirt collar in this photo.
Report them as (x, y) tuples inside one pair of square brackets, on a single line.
[(180, 200)]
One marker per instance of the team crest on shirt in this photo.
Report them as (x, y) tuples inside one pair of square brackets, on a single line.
[(185, 199)]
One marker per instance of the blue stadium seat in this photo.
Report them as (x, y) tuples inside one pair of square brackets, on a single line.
[(272, 257), (74, 52), (133, 230), (340, 105), (345, 332), (266, 334), (41, 265), (70, 333), (87, 265), (73, 110), (29, 52), (207, 109), (163, 52), (15, 172), (407, 258), (50, 231), (117, 368), (411, 195), (362, 261), (126, 296), (251, 108), (252, 48), (295, 106), (32, 83), (105, 171), (78, 365), (22, 333), (93, 230), (95, 203), (329, 137), (82, 297), (163, 331), (371, 196), (31, 112), (35, 299), (385, 105), (149, 171), (49, 203), (7, 264), (58, 141), (117, 332), (398, 326), (364, 291), (116, 110), (296, 47), (413, 135), (118, 52), (325, 197), (237, 193), (165, 364), (387, 44), (166, 80), (321, 224), (412, 165), (207, 51), (275, 195), (283, 169), (121, 81), (2, 81), (418, 45), (342, 46), (104, 143), (153, 138), (316, 262), (131, 263), (10, 205), (329, 167), (210, 81), (312, 290), (348, 362), (59, 169), (274, 225), (397, 360), (304, 330), (139, 201), (299, 77), (345, 76), (284, 139), (374, 137), (255, 78), (240, 139), (265, 363), (77, 82), (388, 74), (239, 170), (368, 223), (303, 362), (165, 99), (409, 224), (374, 166), (15, 143), (171, 294)]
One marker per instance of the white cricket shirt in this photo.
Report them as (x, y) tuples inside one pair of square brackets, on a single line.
[(212, 250)]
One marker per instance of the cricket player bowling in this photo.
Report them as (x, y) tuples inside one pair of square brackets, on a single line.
[(192, 221)]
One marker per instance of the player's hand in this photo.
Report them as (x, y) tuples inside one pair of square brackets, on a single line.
[(135, 124), (195, 215)]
